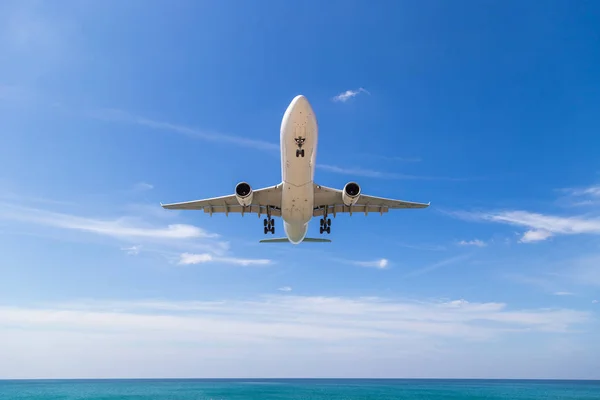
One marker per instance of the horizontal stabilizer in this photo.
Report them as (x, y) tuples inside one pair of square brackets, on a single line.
[(285, 240)]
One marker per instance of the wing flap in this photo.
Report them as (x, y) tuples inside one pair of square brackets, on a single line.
[(264, 198), (330, 200)]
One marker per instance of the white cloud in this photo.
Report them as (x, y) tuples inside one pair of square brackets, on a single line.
[(120, 227), (594, 301), (370, 173), (475, 242), (124, 117), (142, 186), (289, 331), (437, 265), (379, 264), (348, 94), (285, 289), (541, 227), (563, 294), (315, 318), (189, 259), (133, 250), (593, 191)]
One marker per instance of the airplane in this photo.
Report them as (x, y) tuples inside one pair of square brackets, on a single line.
[(297, 199)]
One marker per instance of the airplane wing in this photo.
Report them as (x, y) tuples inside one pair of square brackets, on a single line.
[(329, 200), (269, 197)]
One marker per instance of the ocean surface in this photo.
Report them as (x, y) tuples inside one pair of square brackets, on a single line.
[(298, 389)]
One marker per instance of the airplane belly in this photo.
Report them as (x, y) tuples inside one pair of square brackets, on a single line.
[(297, 202)]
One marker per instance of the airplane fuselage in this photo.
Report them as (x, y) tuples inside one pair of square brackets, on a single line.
[(298, 136)]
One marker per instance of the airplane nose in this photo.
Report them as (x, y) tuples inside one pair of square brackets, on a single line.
[(300, 105)]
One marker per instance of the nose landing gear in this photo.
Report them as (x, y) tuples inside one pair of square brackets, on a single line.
[(299, 141)]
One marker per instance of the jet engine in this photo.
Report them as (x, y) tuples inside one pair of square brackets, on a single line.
[(243, 194), (351, 193)]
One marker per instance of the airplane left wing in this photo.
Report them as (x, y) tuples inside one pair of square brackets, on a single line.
[(331, 201), (262, 199)]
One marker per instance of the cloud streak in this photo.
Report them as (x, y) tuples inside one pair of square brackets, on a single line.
[(541, 227), (202, 258), (348, 94), (113, 115), (370, 173), (382, 263), (475, 242), (119, 228)]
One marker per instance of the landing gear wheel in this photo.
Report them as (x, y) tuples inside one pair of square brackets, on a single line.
[(273, 229), (265, 222), (328, 230), (322, 221), (297, 153), (266, 230), (321, 230), (329, 221), (302, 152)]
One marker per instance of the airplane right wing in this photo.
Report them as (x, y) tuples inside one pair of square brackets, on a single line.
[(262, 200), (331, 201)]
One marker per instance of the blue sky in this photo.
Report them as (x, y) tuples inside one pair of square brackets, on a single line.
[(486, 109)]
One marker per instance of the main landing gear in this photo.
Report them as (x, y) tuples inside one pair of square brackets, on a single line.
[(300, 153), (269, 225), (325, 225)]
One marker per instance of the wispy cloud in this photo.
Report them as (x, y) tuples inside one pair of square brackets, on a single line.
[(120, 227), (190, 258), (140, 227), (426, 247), (582, 196), (382, 263), (120, 116), (317, 318), (370, 173), (348, 94), (285, 289), (133, 250), (394, 158), (155, 337), (142, 186), (563, 294), (541, 227), (594, 301), (437, 265), (474, 242)]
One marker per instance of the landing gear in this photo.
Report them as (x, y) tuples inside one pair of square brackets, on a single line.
[(269, 225), (325, 225), (299, 142)]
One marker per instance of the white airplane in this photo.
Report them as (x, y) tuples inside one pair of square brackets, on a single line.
[(297, 199)]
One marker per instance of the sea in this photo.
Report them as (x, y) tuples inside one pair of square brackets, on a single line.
[(298, 389)]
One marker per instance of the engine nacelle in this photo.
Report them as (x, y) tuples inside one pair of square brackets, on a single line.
[(243, 194), (351, 193)]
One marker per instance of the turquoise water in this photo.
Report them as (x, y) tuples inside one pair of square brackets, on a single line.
[(298, 390)]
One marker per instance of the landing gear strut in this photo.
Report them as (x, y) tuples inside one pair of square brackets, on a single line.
[(325, 225), (269, 225)]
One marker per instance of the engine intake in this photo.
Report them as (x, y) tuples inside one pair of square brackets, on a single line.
[(351, 193), (243, 194)]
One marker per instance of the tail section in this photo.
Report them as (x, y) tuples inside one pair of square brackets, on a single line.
[(285, 240)]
